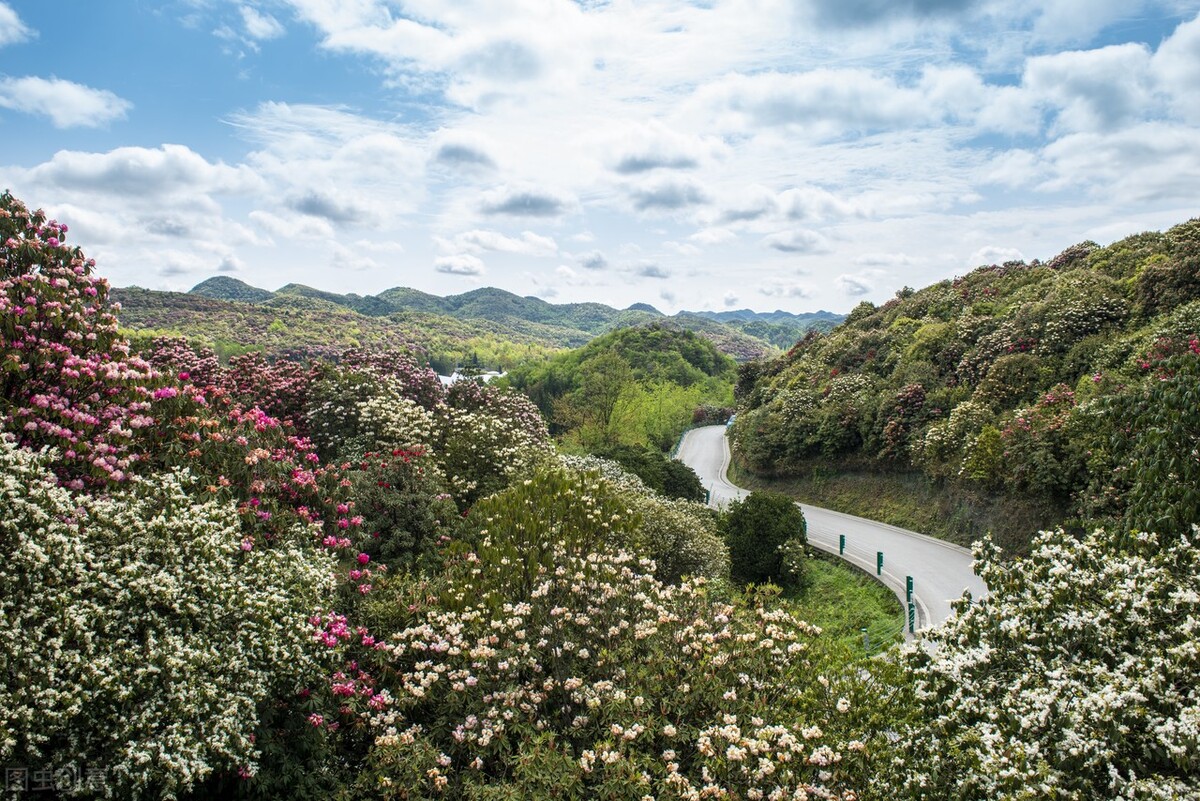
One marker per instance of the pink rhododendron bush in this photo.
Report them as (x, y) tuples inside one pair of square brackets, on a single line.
[(1077, 678), (140, 635)]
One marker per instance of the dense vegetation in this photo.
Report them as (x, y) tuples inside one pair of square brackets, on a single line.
[(637, 386), (489, 327), (282, 579), (1070, 382)]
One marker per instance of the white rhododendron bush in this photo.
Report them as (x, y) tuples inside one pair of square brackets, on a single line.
[(142, 630), (543, 664), (1077, 678)]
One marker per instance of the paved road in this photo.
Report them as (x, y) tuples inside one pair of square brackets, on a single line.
[(940, 571)]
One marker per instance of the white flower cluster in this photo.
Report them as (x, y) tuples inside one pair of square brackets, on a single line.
[(650, 688), (140, 637), (680, 536), (1077, 678)]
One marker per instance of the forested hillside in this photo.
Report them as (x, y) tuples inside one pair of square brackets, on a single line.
[(449, 328), (635, 386), (1074, 381)]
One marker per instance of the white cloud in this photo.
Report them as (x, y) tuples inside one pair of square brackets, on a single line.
[(478, 241), (798, 241), (524, 201), (668, 194), (650, 270), (713, 236), (139, 173), (292, 226), (1093, 89), (259, 25), (459, 264), (785, 290), (67, 104), (994, 254), (594, 260), (1176, 68), (854, 285), (12, 29)]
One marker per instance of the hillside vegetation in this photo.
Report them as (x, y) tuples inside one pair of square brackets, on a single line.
[(634, 386), (1071, 383), (742, 334)]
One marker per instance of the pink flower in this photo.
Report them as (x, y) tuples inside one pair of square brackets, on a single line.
[(247, 544), (316, 720), (363, 558)]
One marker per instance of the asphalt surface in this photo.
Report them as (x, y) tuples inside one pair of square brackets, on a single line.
[(940, 571)]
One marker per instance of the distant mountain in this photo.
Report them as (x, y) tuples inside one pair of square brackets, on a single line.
[(743, 334), (222, 287)]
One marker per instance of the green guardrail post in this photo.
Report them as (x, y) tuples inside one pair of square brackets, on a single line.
[(879, 563), (708, 496), (908, 588), (912, 617), (866, 639), (841, 545)]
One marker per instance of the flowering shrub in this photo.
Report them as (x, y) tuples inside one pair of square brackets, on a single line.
[(142, 630), (1076, 678), (66, 377), (562, 668), (401, 497), (481, 453)]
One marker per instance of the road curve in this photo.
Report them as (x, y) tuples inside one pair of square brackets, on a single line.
[(940, 570)]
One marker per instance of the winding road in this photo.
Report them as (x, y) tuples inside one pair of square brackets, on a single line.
[(940, 570)]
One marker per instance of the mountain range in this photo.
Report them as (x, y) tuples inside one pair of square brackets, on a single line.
[(237, 316)]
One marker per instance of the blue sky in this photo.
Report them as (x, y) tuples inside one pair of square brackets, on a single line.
[(794, 154)]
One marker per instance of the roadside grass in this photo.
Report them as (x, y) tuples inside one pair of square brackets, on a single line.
[(910, 500), (843, 601)]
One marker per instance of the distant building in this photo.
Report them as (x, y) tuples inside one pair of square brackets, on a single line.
[(455, 377)]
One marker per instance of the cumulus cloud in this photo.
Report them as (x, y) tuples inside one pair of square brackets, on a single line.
[(1176, 68), (12, 29), (798, 241), (730, 300), (478, 241), (141, 173), (459, 264), (826, 102), (814, 203), (669, 194), (592, 261), (335, 210), (994, 254), (713, 236), (259, 25), (523, 202), (865, 13), (854, 285), (374, 167), (292, 227), (646, 147), (1093, 89), (785, 290), (67, 104), (463, 154), (651, 271)]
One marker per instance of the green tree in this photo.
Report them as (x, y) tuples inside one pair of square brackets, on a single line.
[(758, 530)]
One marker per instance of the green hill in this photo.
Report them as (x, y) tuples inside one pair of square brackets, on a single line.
[(738, 334), (222, 287), (1018, 381)]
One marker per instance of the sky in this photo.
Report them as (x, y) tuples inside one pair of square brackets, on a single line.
[(703, 155)]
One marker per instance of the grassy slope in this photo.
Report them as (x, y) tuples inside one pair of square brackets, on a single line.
[(910, 500), (843, 601)]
